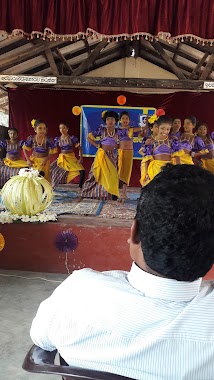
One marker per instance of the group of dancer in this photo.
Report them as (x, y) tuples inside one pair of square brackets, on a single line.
[(162, 143)]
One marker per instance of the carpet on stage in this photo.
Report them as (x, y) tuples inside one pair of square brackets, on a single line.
[(65, 203)]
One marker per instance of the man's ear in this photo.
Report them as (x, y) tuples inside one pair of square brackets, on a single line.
[(135, 235)]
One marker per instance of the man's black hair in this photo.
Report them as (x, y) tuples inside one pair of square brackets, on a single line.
[(175, 217)]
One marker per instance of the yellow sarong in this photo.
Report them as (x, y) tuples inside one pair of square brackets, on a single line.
[(125, 161), (208, 164), (15, 164), (69, 162), (155, 167), (37, 164), (105, 172), (185, 158)]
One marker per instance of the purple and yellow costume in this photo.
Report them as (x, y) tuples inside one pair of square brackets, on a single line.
[(66, 167), (125, 156), (208, 162), (154, 149), (44, 149), (103, 177), (12, 162), (189, 144)]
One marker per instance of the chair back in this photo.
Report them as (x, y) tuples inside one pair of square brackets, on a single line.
[(38, 360)]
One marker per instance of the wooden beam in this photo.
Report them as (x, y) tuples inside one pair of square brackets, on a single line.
[(198, 66), (63, 60), (88, 47), (52, 63), (3, 95), (168, 60), (2, 105), (91, 58), (37, 50), (130, 83), (208, 68)]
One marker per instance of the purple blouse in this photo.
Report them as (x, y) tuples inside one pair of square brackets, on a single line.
[(191, 143), (45, 147), (12, 149), (66, 144), (160, 147), (123, 134), (105, 138)]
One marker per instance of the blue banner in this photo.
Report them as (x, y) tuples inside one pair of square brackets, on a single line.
[(91, 119)]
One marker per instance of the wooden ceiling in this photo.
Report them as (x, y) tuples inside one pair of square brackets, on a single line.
[(189, 61)]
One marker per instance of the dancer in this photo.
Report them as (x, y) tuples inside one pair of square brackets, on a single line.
[(13, 161), (67, 166), (103, 181), (190, 143), (41, 147), (160, 151), (125, 152), (206, 158), (176, 126)]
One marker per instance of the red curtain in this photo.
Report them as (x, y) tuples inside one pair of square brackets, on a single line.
[(109, 17), (55, 106)]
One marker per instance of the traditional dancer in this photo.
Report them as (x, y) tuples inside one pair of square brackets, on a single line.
[(13, 162), (176, 126), (206, 157), (41, 147), (67, 166), (103, 181), (125, 151), (159, 151), (190, 143)]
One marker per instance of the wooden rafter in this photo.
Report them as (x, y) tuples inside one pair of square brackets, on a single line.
[(3, 105), (88, 47), (84, 81), (91, 58), (198, 66), (168, 60), (208, 68), (63, 60), (18, 58), (52, 63)]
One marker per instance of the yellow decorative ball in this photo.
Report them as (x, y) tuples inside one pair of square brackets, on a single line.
[(76, 110), (2, 242), (27, 193)]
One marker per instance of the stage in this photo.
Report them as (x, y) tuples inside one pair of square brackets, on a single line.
[(102, 236)]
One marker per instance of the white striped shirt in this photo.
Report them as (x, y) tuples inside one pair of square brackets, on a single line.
[(133, 324)]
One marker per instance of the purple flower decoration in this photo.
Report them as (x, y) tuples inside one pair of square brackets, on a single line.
[(66, 241)]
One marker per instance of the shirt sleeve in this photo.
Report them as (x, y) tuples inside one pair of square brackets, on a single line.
[(96, 133), (212, 136), (75, 141), (198, 144), (50, 145), (56, 142), (28, 143), (41, 324), (175, 145), (3, 144)]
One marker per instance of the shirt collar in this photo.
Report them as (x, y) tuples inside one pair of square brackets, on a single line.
[(164, 288)]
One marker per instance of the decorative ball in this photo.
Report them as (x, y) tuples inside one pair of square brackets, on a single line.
[(160, 112), (76, 110), (121, 100), (27, 193), (2, 242), (66, 241)]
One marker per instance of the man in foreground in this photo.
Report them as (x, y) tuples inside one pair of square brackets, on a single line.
[(156, 321)]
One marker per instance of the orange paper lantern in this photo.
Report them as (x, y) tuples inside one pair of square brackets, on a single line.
[(2, 242), (121, 100), (76, 110)]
